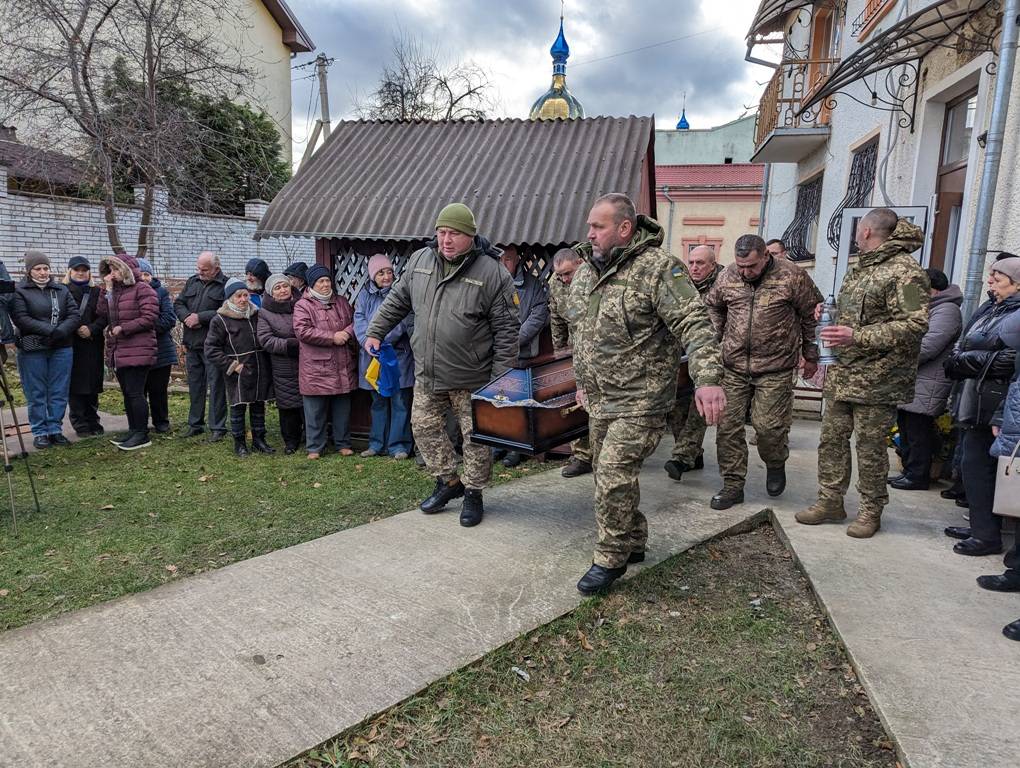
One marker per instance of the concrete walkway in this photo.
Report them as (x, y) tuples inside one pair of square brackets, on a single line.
[(111, 424)]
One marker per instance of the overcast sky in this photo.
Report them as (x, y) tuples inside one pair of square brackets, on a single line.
[(511, 39)]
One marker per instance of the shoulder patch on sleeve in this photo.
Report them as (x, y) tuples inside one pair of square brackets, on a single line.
[(679, 283), (911, 297)]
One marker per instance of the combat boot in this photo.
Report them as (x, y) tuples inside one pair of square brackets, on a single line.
[(822, 511), (442, 495), (866, 525), (471, 511)]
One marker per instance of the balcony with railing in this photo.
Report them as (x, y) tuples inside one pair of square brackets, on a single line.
[(782, 133)]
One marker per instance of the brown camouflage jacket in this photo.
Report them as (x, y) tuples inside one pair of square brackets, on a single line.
[(628, 323), (884, 298), (766, 326), (558, 324)]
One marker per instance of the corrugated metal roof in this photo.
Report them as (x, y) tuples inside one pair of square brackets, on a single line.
[(526, 181), (710, 175)]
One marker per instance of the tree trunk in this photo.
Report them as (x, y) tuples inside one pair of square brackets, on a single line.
[(144, 238)]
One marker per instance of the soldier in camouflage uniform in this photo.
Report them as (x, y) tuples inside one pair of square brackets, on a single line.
[(565, 264), (684, 421), (882, 311), (764, 311), (631, 305), (465, 335)]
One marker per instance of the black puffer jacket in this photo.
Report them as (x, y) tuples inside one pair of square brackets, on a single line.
[(276, 335), (984, 362), (33, 309)]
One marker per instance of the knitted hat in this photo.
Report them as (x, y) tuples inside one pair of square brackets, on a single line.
[(275, 280), (259, 268), (315, 272), (34, 258), (1010, 267), (145, 266), (377, 262), (297, 269), (233, 286), (459, 217), (79, 261)]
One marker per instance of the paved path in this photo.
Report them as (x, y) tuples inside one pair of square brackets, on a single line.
[(111, 424)]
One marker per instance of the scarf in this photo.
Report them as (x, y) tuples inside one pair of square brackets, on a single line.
[(81, 283), (247, 312), (40, 283), (324, 298)]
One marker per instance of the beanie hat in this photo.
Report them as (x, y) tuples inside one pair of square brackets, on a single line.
[(79, 261), (259, 268), (1010, 267), (233, 286), (459, 217), (377, 262), (273, 281), (145, 266), (314, 273), (297, 269), (34, 258)]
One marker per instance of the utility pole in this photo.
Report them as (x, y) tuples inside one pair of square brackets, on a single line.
[(321, 65)]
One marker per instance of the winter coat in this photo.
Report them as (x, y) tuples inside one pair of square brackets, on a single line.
[(88, 367), (1009, 432), (628, 319), (767, 325), (203, 299), (366, 305), (275, 332), (166, 347), (323, 367), (884, 299), (984, 361), (6, 326), (532, 309), (931, 392), (556, 293), (232, 338), (465, 323), (134, 307), (33, 309)]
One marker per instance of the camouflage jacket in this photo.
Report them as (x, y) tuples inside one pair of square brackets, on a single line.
[(558, 324), (765, 326), (884, 298), (628, 323)]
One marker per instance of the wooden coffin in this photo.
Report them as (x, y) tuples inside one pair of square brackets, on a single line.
[(530, 410)]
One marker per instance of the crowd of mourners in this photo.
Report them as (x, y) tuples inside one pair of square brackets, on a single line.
[(464, 312)]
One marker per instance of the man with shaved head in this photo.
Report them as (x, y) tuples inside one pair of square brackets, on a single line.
[(686, 424), (196, 306), (882, 315)]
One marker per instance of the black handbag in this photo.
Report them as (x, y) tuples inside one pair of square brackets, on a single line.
[(980, 397)]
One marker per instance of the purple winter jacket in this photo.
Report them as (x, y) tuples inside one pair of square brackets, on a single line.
[(323, 367), (134, 307)]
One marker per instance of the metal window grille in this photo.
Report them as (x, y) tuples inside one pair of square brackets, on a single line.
[(800, 235), (858, 189)]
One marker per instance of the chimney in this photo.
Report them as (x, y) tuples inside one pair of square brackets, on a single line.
[(8, 133)]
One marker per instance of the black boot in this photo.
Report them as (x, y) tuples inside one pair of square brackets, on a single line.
[(775, 480), (240, 447), (471, 512), (726, 498), (442, 495), (675, 468), (258, 443), (599, 579)]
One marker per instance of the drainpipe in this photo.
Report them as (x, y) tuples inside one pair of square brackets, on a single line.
[(993, 155), (669, 233), (764, 199)]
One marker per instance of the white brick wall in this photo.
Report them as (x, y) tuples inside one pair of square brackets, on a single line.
[(65, 227)]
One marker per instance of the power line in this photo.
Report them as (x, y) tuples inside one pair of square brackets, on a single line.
[(647, 47)]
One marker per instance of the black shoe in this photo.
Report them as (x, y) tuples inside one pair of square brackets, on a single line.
[(162, 429), (471, 512), (194, 431), (289, 449), (977, 547), (41, 442), (906, 484), (599, 579), (961, 501), (258, 443), (120, 437), (961, 532), (215, 437), (952, 493), (512, 460), (1012, 631), (442, 495), (727, 498), (240, 446), (894, 478), (498, 454), (136, 441), (675, 468), (59, 439), (636, 557), (775, 481), (699, 463), (998, 583), (576, 468)]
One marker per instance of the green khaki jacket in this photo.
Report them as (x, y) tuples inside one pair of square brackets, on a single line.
[(465, 325), (558, 324), (884, 298), (629, 322)]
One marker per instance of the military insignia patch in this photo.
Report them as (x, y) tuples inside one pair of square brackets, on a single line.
[(680, 285), (911, 297)]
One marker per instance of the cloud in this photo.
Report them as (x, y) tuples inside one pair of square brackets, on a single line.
[(511, 41)]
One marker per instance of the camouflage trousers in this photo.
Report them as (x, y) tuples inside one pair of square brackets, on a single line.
[(688, 428), (870, 424), (620, 447), (428, 422), (769, 398), (580, 449)]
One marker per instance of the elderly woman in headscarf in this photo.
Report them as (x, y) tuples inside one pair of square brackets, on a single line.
[(232, 346), (276, 335)]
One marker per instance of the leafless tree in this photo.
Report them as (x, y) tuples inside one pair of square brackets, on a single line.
[(417, 85), (57, 69)]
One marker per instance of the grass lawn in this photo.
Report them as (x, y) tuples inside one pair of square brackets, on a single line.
[(113, 523), (718, 657)]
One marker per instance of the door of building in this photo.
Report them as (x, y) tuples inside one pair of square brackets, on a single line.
[(957, 133)]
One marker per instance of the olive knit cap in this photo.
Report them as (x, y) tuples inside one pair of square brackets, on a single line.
[(33, 258), (459, 217)]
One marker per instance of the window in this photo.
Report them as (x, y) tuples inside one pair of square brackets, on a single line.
[(858, 190), (802, 234), (959, 129)]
